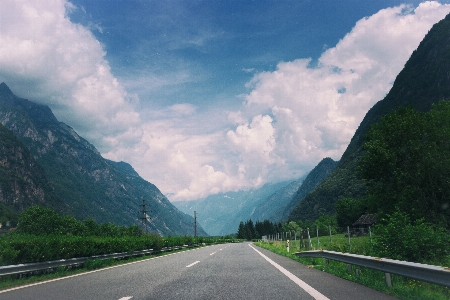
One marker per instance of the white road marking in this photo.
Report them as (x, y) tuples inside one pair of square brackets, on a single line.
[(126, 298), (309, 289), (194, 263), (213, 253), (90, 272)]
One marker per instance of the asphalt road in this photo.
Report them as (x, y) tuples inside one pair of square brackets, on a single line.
[(229, 271)]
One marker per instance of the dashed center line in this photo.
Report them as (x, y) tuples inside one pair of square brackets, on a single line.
[(126, 298), (194, 263)]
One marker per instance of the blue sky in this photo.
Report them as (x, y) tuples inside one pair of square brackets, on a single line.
[(202, 97), (208, 50)]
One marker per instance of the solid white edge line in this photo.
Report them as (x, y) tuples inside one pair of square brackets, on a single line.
[(94, 271), (309, 289)]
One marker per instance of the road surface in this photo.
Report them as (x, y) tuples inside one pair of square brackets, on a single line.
[(227, 271)]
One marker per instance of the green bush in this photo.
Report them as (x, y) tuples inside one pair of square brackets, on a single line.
[(397, 237)]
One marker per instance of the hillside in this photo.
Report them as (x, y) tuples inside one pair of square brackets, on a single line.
[(73, 178), (314, 178), (423, 81)]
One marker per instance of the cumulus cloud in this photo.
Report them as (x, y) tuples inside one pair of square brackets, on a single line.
[(47, 58), (316, 110), (291, 118)]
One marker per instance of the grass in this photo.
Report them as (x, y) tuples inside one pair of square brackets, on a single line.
[(17, 280), (403, 288)]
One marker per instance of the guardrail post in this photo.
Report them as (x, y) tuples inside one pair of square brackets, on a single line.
[(301, 239), (309, 239), (388, 278), (331, 240), (318, 240), (348, 234), (349, 268)]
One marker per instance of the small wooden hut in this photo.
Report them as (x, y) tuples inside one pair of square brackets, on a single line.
[(362, 225)]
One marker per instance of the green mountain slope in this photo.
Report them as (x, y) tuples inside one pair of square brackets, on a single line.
[(85, 184), (314, 178), (424, 80)]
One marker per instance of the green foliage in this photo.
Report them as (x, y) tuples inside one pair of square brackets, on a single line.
[(43, 235), (38, 220), (250, 231), (403, 288), (7, 214), (324, 223), (348, 210), (398, 237), (24, 248), (406, 162)]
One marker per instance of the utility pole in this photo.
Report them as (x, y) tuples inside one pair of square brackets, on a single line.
[(144, 217), (195, 224)]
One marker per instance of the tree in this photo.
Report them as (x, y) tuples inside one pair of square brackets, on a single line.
[(348, 210), (398, 237), (241, 231), (406, 163), (39, 220)]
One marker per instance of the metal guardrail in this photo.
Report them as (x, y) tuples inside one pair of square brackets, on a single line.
[(428, 273), (50, 265)]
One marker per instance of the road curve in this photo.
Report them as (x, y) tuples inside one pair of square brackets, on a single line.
[(229, 271)]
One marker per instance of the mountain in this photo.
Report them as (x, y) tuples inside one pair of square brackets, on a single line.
[(221, 214), (423, 81), (314, 178), (62, 170), (273, 207)]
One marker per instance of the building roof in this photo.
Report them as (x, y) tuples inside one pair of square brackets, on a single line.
[(366, 220)]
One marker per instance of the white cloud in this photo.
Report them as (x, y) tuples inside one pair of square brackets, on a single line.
[(45, 57), (291, 119), (317, 110)]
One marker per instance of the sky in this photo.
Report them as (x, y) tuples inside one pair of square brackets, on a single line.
[(202, 97)]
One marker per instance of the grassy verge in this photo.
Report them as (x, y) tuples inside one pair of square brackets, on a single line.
[(403, 288), (16, 280)]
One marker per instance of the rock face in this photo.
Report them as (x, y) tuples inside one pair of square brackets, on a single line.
[(424, 80), (71, 176)]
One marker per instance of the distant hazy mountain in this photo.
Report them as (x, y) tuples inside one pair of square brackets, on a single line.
[(272, 208), (423, 81), (220, 214), (46, 162)]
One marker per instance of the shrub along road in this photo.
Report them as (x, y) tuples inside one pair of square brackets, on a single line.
[(227, 271)]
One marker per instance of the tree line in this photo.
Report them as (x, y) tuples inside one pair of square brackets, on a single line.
[(249, 230)]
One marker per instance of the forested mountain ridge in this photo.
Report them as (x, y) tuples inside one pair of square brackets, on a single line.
[(314, 178), (424, 80), (79, 181)]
